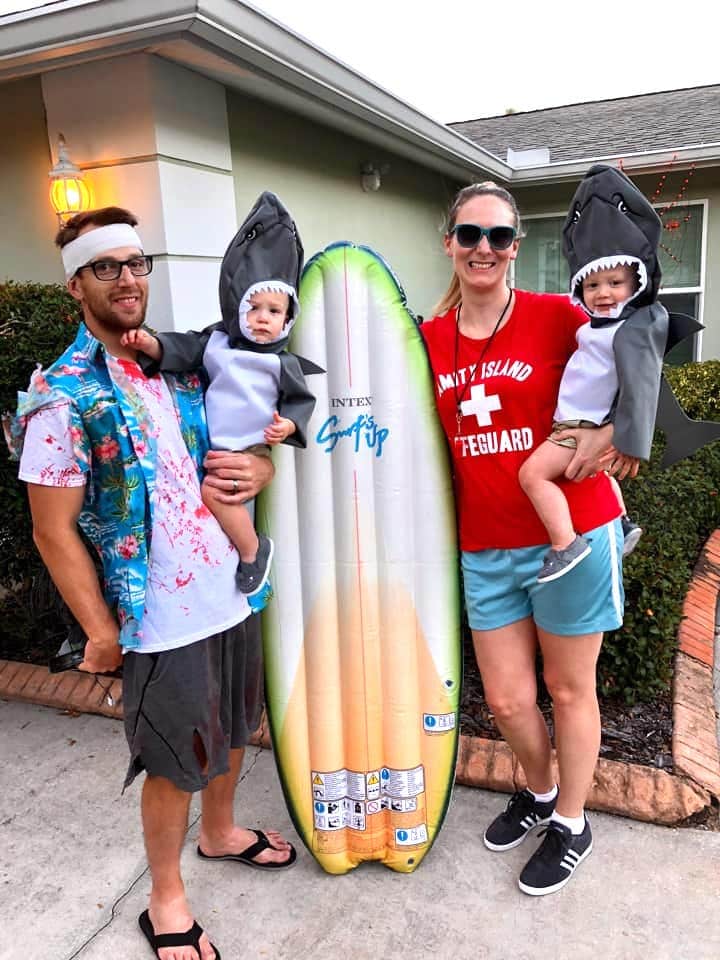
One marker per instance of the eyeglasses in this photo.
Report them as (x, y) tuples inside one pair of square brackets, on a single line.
[(470, 234), (111, 269)]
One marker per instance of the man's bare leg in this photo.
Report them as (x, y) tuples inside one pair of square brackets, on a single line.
[(165, 818), (218, 833)]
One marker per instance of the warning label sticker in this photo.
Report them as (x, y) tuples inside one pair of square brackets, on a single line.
[(411, 836), (403, 783), (355, 785), (373, 784), (328, 816), (329, 786), (347, 798), (438, 722), (357, 821)]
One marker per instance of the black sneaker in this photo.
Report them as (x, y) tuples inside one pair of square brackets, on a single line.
[(252, 577), (631, 534), (555, 860), (522, 814)]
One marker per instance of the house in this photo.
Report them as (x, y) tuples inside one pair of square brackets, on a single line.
[(185, 110), (669, 143)]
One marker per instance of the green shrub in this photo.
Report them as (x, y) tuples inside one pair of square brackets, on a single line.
[(677, 508), (37, 322)]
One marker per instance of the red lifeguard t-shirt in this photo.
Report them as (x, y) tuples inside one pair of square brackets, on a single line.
[(507, 411)]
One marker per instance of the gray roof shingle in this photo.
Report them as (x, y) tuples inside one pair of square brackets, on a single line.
[(605, 128)]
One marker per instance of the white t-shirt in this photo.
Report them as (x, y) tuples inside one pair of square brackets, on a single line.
[(191, 591), (590, 381), (242, 394)]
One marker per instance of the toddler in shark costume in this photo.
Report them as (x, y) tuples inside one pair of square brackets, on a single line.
[(610, 240), (256, 394)]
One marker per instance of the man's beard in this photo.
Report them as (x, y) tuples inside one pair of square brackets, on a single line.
[(101, 311)]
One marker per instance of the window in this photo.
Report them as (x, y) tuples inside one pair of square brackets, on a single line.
[(541, 266)]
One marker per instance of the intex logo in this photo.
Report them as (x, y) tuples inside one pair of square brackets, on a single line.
[(351, 401)]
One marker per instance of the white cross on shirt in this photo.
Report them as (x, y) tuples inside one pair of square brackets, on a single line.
[(480, 405)]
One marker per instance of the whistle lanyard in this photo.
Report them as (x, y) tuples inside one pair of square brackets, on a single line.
[(459, 397)]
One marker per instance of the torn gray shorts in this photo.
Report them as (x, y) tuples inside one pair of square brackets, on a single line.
[(211, 688)]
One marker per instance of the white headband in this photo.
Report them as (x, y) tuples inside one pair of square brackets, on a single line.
[(88, 245)]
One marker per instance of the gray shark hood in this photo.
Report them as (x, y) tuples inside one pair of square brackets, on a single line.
[(265, 254), (611, 223)]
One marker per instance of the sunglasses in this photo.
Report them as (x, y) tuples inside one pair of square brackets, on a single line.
[(470, 234)]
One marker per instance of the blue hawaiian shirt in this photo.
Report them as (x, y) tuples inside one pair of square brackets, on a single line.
[(114, 444)]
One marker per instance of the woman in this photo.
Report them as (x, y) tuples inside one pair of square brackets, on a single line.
[(497, 355)]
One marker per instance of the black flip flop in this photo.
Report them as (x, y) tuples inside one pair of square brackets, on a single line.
[(191, 938), (249, 853)]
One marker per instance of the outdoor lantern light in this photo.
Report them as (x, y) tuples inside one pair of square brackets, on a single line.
[(69, 194), (371, 175)]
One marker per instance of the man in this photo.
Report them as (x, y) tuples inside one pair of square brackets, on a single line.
[(117, 454)]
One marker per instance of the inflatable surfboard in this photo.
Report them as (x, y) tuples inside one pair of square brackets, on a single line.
[(362, 637)]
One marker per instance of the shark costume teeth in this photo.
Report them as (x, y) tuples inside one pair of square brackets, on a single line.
[(608, 263), (268, 286), (610, 221)]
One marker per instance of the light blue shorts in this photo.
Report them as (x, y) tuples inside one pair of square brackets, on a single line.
[(501, 587)]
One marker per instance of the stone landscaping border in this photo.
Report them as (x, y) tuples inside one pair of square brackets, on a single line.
[(631, 790)]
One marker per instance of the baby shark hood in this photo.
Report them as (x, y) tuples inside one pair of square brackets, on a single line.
[(265, 254), (611, 223)]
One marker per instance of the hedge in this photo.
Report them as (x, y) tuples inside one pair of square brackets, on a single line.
[(37, 322), (677, 508)]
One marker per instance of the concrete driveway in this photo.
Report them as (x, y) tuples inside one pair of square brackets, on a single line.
[(73, 875)]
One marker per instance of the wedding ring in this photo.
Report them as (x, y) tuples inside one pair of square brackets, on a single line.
[(235, 486)]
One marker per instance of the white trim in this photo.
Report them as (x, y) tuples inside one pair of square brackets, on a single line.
[(647, 161), (703, 268), (615, 551), (37, 10)]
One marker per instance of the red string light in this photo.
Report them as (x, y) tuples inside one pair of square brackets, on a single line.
[(674, 224)]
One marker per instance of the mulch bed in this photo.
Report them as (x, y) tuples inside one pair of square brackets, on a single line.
[(638, 734)]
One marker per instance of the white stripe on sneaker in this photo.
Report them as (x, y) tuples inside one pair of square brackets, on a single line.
[(553, 888)]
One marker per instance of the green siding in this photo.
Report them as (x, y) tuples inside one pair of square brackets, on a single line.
[(316, 171), (26, 242)]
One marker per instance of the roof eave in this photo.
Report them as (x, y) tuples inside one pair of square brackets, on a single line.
[(702, 155), (285, 68)]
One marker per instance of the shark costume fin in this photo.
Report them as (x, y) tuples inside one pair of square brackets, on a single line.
[(308, 366), (684, 436)]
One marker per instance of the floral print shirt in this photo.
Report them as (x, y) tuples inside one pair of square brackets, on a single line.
[(138, 445)]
